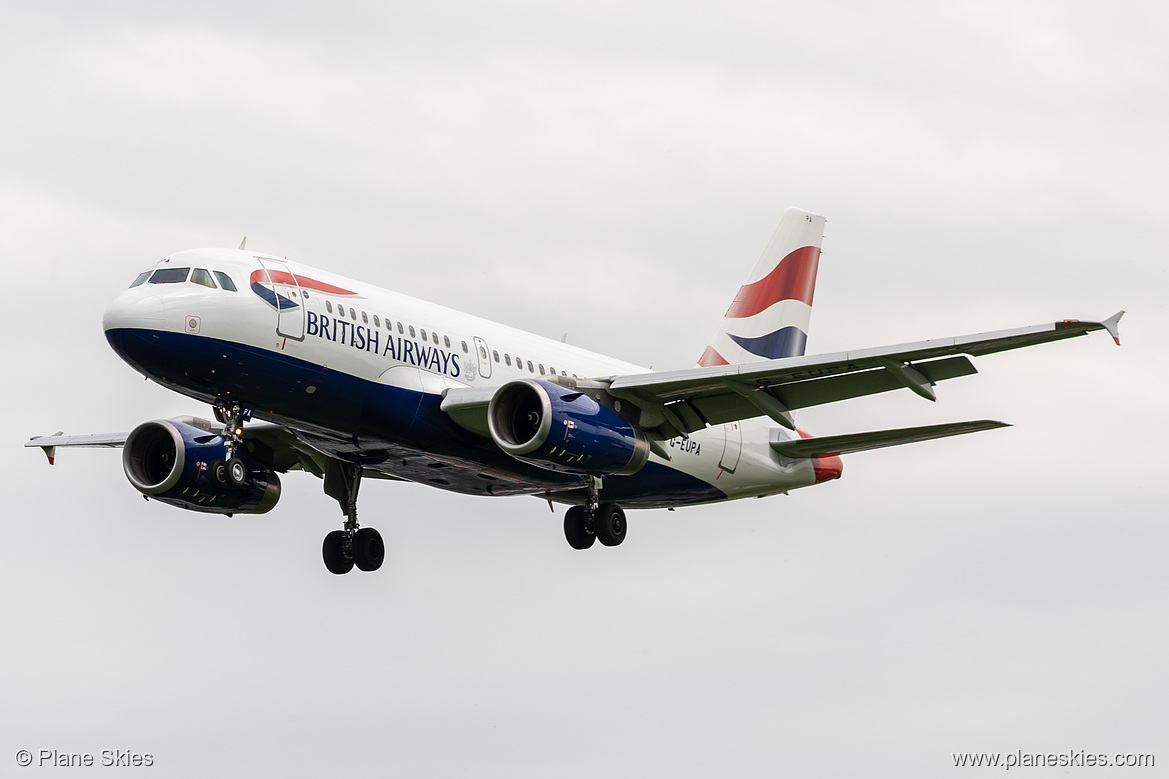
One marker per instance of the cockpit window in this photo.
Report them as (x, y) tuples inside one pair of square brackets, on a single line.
[(225, 281), (142, 277), (200, 276), (170, 276)]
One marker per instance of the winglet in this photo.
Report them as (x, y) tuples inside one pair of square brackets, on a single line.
[(1111, 325), (50, 451)]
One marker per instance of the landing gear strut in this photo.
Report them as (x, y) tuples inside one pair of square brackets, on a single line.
[(594, 521), (351, 546), (232, 415)]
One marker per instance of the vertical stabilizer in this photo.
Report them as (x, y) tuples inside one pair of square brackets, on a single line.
[(769, 317)]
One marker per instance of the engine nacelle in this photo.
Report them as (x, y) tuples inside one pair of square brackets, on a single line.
[(562, 429), (182, 465)]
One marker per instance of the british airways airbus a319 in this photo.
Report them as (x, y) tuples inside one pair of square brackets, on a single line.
[(306, 370)]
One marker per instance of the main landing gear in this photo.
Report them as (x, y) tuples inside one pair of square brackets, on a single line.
[(594, 521), (351, 546)]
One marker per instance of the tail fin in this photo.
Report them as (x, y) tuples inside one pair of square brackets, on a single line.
[(769, 317)]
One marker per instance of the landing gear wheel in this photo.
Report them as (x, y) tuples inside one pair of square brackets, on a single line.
[(217, 471), (610, 524), (576, 528), (368, 549), (333, 550), (237, 472)]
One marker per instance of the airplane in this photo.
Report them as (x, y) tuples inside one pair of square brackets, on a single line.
[(307, 370)]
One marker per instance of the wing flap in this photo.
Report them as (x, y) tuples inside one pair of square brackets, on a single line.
[(817, 392), (734, 403), (877, 439)]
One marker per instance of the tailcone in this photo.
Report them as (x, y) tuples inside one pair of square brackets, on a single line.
[(826, 466)]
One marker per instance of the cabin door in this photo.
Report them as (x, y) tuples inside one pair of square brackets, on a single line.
[(733, 447), (287, 297), (484, 356)]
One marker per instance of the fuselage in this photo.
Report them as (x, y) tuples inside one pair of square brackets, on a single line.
[(358, 373)]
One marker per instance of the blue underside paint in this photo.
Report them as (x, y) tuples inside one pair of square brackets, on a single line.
[(376, 424), (785, 342)]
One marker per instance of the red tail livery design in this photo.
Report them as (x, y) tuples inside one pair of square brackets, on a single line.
[(768, 319)]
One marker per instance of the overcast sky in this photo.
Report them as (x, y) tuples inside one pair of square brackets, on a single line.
[(610, 170)]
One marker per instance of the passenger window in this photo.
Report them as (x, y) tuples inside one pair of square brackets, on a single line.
[(507, 359), (400, 330), (352, 314), (464, 347), (142, 277), (424, 334), (495, 354), (364, 318), (562, 373), (169, 275), (200, 276), (376, 321), (530, 368), (551, 370), (329, 306), (482, 353), (412, 331), (225, 280), (447, 343), (541, 370)]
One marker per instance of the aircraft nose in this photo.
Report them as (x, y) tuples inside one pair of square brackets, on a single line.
[(134, 309)]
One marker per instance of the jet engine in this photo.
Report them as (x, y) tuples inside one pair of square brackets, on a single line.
[(177, 463), (561, 429)]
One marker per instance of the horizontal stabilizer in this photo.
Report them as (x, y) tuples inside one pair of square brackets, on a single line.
[(860, 442)]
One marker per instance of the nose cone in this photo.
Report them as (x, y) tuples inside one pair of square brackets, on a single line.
[(132, 323), (134, 309)]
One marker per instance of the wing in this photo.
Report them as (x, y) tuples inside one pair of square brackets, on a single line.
[(680, 402), (49, 443)]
